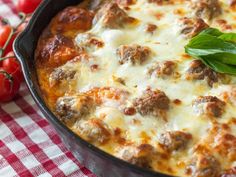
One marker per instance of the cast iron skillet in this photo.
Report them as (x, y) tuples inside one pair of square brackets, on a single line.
[(101, 163)]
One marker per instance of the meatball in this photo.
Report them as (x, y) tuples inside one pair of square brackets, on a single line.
[(135, 54), (165, 68), (72, 108), (94, 131), (199, 71), (72, 19), (174, 140), (209, 105), (141, 156), (206, 9), (190, 27), (151, 102), (55, 51), (204, 165), (112, 16), (59, 75)]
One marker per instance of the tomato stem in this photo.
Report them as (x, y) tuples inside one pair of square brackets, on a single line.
[(23, 17), (4, 21), (4, 58), (9, 77)]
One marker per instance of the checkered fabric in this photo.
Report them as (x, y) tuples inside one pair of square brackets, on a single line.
[(29, 146)]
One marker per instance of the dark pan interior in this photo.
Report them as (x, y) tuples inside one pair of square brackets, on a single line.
[(101, 163)]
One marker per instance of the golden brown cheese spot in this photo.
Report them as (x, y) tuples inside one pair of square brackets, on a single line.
[(204, 165), (199, 71), (129, 111), (226, 146), (206, 9), (161, 2), (103, 93), (55, 51), (87, 41), (126, 2), (190, 27), (151, 102), (224, 24), (72, 108), (174, 140), (161, 69), (150, 28), (94, 131), (141, 155), (71, 21), (135, 54), (209, 105), (112, 16)]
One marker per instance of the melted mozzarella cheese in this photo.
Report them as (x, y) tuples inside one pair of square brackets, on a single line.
[(166, 43)]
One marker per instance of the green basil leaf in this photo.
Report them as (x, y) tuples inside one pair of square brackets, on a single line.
[(230, 37), (220, 67), (206, 44), (226, 58), (212, 32), (215, 49)]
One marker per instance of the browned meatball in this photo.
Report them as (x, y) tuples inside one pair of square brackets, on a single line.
[(72, 19), (135, 54), (141, 156), (94, 131), (190, 27), (199, 71), (204, 165), (71, 108), (55, 51), (174, 140), (151, 102), (112, 16), (165, 68), (209, 105), (60, 74), (206, 9)]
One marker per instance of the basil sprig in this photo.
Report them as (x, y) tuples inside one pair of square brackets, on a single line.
[(216, 49)]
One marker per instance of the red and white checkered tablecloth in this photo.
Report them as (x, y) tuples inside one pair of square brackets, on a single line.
[(29, 145)]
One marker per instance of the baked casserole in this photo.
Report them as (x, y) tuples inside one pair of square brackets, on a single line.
[(117, 74)]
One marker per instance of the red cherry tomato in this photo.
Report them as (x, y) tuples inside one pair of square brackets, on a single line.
[(9, 85), (12, 66), (27, 6), (5, 31)]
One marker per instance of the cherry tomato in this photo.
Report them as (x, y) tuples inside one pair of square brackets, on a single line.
[(12, 66), (9, 85), (5, 32), (27, 6)]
